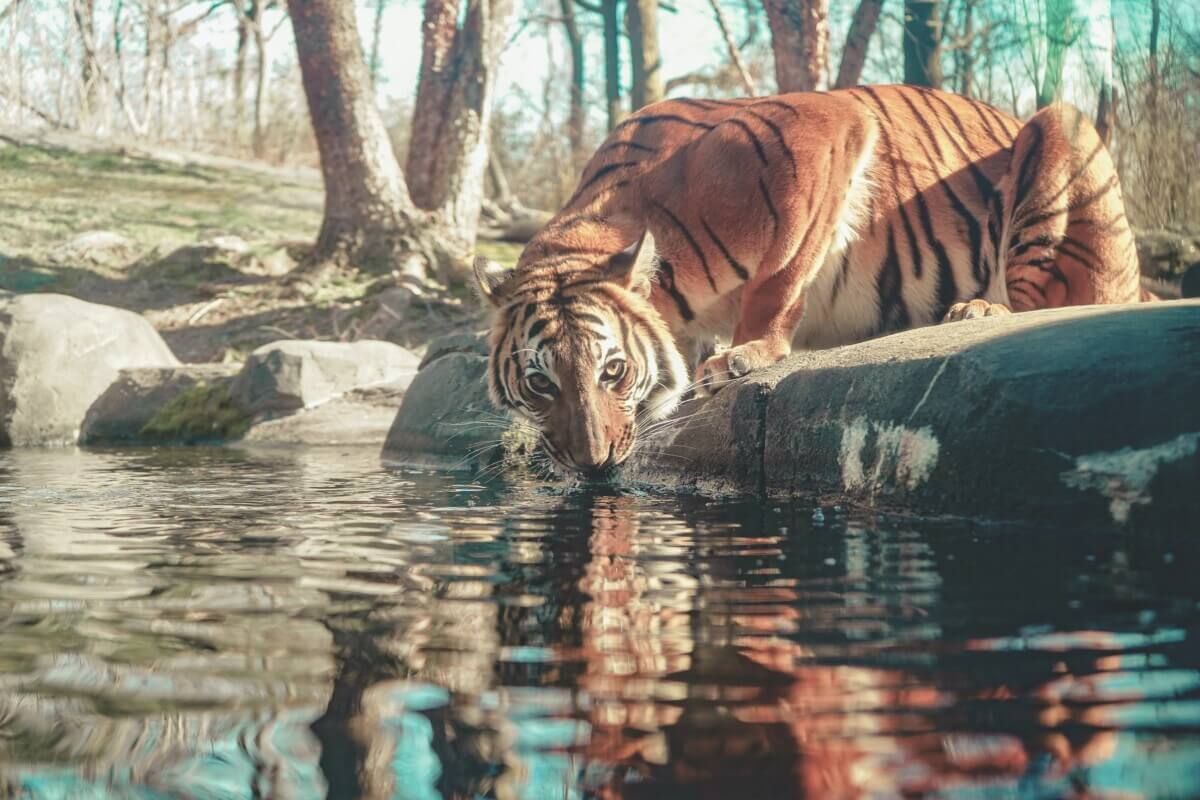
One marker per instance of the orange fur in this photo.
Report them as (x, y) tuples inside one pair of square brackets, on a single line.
[(817, 219)]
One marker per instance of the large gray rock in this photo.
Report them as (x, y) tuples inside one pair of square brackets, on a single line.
[(57, 355), (1087, 414), (120, 415), (359, 417), (446, 420), (289, 375)]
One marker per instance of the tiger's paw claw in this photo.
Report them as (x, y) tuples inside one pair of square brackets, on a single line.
[(729, 366), (975, 309)]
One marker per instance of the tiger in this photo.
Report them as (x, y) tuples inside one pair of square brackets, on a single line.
[(795, 221)]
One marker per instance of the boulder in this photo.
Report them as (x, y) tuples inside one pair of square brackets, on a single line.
[(446, 420), (1166, 255), (1089, 415), (359, 417), (57, 356), (123, 413), (290, 375), (101, 248)]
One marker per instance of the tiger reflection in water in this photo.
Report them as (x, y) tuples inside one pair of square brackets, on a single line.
[(683, 680), (759, 715)]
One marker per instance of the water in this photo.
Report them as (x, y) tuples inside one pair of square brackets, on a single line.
[(222, 623)]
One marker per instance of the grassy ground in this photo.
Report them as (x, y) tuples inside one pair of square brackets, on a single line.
[(211, 303)]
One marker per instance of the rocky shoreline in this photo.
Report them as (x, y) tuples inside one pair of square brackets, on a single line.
[(1087, 415)]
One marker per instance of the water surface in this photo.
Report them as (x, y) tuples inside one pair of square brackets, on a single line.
[(225, 623)]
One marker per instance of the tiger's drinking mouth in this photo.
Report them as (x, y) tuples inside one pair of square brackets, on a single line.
[(582, 355), (804, 220)]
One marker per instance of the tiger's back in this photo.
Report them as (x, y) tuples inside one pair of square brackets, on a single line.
[(923, 228)]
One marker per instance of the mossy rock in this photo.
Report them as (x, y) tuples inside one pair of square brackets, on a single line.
[(204, 413)]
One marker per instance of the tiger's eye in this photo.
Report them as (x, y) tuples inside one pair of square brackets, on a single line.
[(613, 370), (540, 383)]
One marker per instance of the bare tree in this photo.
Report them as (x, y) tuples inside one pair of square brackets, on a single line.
[(369, 219), (84, 12), (922, 43), (1152, 58), (376, 35), (609, 10), (644, 55), (854, 54), (1062, 29), (448, 152), (577, 116), (735, 52), (800, 40)]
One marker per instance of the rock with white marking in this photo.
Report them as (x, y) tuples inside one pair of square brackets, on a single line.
[(1088, 414), (57, 355)]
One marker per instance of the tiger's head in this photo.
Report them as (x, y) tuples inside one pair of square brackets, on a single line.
[(578, 351)]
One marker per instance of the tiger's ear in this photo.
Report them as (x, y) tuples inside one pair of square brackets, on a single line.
[(490, 278), (634, 267)]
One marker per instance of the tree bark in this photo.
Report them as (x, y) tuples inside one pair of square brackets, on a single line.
[(258, 143), (645, 56), (964, 55), (612, 61), (369, 218), (800, 40), (922, 43), (576, 116), (1061, 32), (735, 52), (854, 54), (85, 23), (239, 73), (451, 127)]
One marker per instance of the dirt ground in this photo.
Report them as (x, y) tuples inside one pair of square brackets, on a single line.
[(206, 248)]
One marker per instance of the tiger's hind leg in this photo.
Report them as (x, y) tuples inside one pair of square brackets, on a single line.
[(1069, 242)]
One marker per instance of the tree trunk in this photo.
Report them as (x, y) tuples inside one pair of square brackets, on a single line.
[(85, 22), (1155, 23), (922, 43), (612, 61), (451, 127), (854, 54), (964, 56), (1060, 34), (258, 142), (1105, 109), (645, 57), (369, 218), (239, 74), (376, 35), (577, 116), (799, 39)]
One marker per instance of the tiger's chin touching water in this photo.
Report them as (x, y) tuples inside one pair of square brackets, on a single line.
[(799, 221)]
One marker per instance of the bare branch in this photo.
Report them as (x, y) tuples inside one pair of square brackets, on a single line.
[(735, 55), (9, 10)]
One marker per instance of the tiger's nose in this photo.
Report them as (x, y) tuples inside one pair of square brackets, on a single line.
[(597, 463)]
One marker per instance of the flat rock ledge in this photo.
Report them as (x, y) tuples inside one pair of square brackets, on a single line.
[(1087, 416)]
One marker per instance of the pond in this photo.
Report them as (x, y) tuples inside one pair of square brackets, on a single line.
[(241, 623)]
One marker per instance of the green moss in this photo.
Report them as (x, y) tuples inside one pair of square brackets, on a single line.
[(204, 413)]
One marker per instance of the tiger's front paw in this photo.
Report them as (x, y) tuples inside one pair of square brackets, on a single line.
[(734, 363), (975, 309)]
